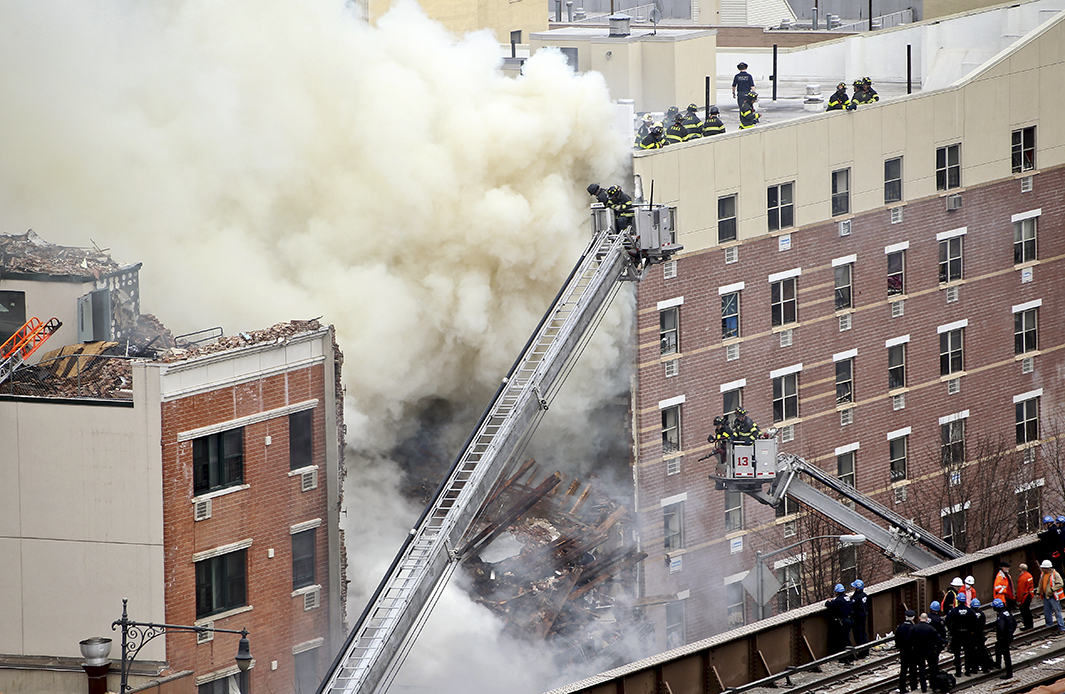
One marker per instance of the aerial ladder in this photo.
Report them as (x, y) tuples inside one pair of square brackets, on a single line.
[(26, 340), (377, 645), (748, 469)]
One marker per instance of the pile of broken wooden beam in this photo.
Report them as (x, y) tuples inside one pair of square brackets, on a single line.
[(84, 370), (565, 583)]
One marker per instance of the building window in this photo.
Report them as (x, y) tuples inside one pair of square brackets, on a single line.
[(1027, 413), (952, 443), (12, 313), (300, 439), (783, 303), (303, 559), (785, 397), (226, 685), (845, 468), (848, 564), (896, 273), (954, 528), (1028, 510), (1023, 150), (218, 461), (731, 400), (790, 578), (841, 192), (843, 286), (781, 206), (1024, 240), (844, 381), (221, 583), (735, 613), (671, 429), (726, 219), (730, 315), (675, 624), (787, 507), (1025, 335), (950, 259), (948, 167), (893, 180), (669, 330), (950, 352), (896, 371), (733, 511), (897, 456), (673, 522), (306, 672)]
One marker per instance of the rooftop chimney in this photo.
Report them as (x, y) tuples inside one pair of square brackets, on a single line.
[(619, 24)]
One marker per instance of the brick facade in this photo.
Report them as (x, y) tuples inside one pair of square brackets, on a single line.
[(264, 511), (990, 287)]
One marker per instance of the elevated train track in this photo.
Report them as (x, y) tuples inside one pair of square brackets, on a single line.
[(776, 647)]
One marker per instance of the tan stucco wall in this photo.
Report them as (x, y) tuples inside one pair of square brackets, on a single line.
[(80, 522), (52, 299), (933, 9), (805, 151), (656, 71), (463, 16)]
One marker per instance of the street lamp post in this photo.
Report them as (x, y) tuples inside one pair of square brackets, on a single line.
[(136, 634), (759, 566)]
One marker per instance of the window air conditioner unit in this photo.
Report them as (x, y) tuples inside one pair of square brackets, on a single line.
[(672, 368), (953, 202), (1027, 365), (896, 215), (309, 481), (953, 386), (1027, 184), (786, 338), (732, 254), (845, 322), (669, 269), (898, 308), (310, 600), (845, 227), (898, 402), (846, 416), (952, 294), (201, 510), (732, 352)]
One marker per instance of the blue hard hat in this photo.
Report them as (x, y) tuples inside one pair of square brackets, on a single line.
[(997, 604), (1048, 519), (975, 603), (839, 588), (1061, 519), (859, 584), (934, 606), (961, 597)]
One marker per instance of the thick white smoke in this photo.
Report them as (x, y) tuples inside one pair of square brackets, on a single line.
[(283, 159)]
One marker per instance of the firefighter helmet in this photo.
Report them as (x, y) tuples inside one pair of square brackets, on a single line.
[(714, 110), (593, 189)]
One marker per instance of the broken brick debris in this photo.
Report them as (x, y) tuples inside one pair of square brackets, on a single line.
[(29, 254), (567, 585), (275, 333)]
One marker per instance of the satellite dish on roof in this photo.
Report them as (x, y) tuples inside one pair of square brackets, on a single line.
[(656, 16)]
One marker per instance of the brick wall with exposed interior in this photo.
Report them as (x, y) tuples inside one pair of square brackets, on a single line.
[(991, 285)]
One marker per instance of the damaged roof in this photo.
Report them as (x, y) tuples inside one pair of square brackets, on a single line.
[(28, 256)]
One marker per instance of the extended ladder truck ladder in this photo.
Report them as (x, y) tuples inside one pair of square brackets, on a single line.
[(748, 468), (375, 648), (26, 340)]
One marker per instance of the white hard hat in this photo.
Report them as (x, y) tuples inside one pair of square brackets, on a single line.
[(969, 580), (1046, 564), (957, 582)]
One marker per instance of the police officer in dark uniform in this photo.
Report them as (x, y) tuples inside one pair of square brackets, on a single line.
[(838, 612), (925, 645), (981, 656), (907, 666), (861, 615), (960, 622), (1005, 625)]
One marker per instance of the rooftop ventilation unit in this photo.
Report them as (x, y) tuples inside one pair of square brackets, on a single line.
[(619, 24)]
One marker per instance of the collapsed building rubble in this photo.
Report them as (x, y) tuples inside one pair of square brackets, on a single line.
[(566, 584)]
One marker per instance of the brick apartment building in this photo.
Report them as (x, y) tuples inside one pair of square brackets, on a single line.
[(201, 483), (882, 286)]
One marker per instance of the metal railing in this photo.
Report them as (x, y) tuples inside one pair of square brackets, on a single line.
[(886, 21), (639, 13), (89, 376)]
